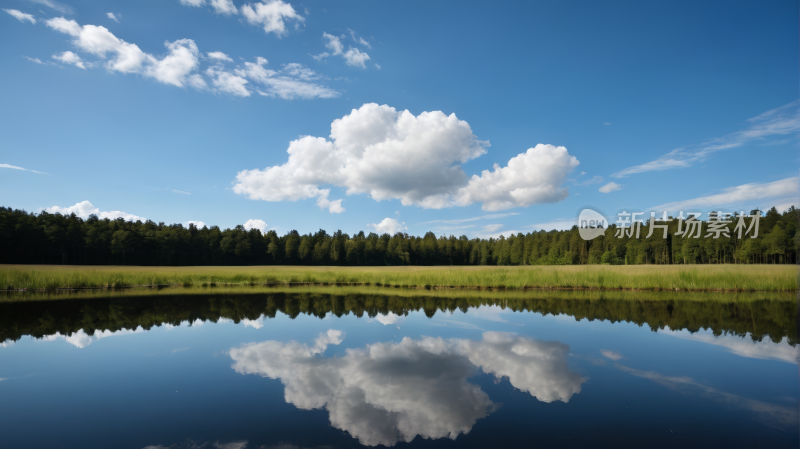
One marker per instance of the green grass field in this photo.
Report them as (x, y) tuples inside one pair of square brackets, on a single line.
[(473, 296), (769, 278)]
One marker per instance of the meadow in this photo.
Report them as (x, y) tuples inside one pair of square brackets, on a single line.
[(764, 278)]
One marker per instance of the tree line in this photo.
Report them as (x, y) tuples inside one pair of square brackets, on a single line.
[(759, 319), (44, 238)]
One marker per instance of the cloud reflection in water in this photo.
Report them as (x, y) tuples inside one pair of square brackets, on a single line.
[(391, 392)]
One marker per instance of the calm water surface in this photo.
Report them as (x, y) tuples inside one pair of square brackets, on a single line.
[(318, 370)]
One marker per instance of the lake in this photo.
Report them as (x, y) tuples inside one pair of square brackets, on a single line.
[(314, 369)]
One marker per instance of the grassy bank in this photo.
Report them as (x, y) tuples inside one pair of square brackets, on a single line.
[(768, 278), (474, 297)]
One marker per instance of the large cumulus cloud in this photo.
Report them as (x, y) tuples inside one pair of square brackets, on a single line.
[(392, 392), (390, 154)]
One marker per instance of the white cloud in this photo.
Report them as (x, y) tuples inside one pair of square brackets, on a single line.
[(228, 82), (37, 60), (770, 414), (492, 228), (60, 7), (561, 224), (256, 70), (69, 57), (333, 43), (744, 346), (254, 223), (389, 319), (20, 168), (225, 7), (179, 66), (494, 231), (112, 16), (352, 56), (174, 69), (744, 194), (197, 224), (289, 89), (85, 208), (533, 177), (445, 229), (321, 56), (97, 40), (786, 204), (613, 355), (482, 217), (334, 207), (431, 396), (232, 444), (219, 56), (374, 150), (180, 192), (359, 39), (258, 323), (780, 121), (388, 226), (610, 187), (81, 339), (21, 16), (594, 180), (196, 81), (395, 155), (299, 71), (183, 59), (292, 81), (271, 15), (356, 58)]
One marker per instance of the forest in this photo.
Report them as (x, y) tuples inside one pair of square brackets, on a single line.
[(759, 320), (44, 238)]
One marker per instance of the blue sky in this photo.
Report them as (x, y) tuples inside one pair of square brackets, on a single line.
[(181, 111)]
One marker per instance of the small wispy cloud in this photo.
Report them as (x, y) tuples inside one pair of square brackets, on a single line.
[(219, 56), (482, 217), (181, 192), (784, 120), (60, 7), (785, 189), (494, 231), (560, 224), (594, 180), (610, 187), (113, 16), (613, 355), (453, 228), (359, 39), (39, 61), (21, 16), (20, 168)]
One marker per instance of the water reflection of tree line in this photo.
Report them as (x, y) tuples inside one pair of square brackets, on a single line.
[(759, 318)]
